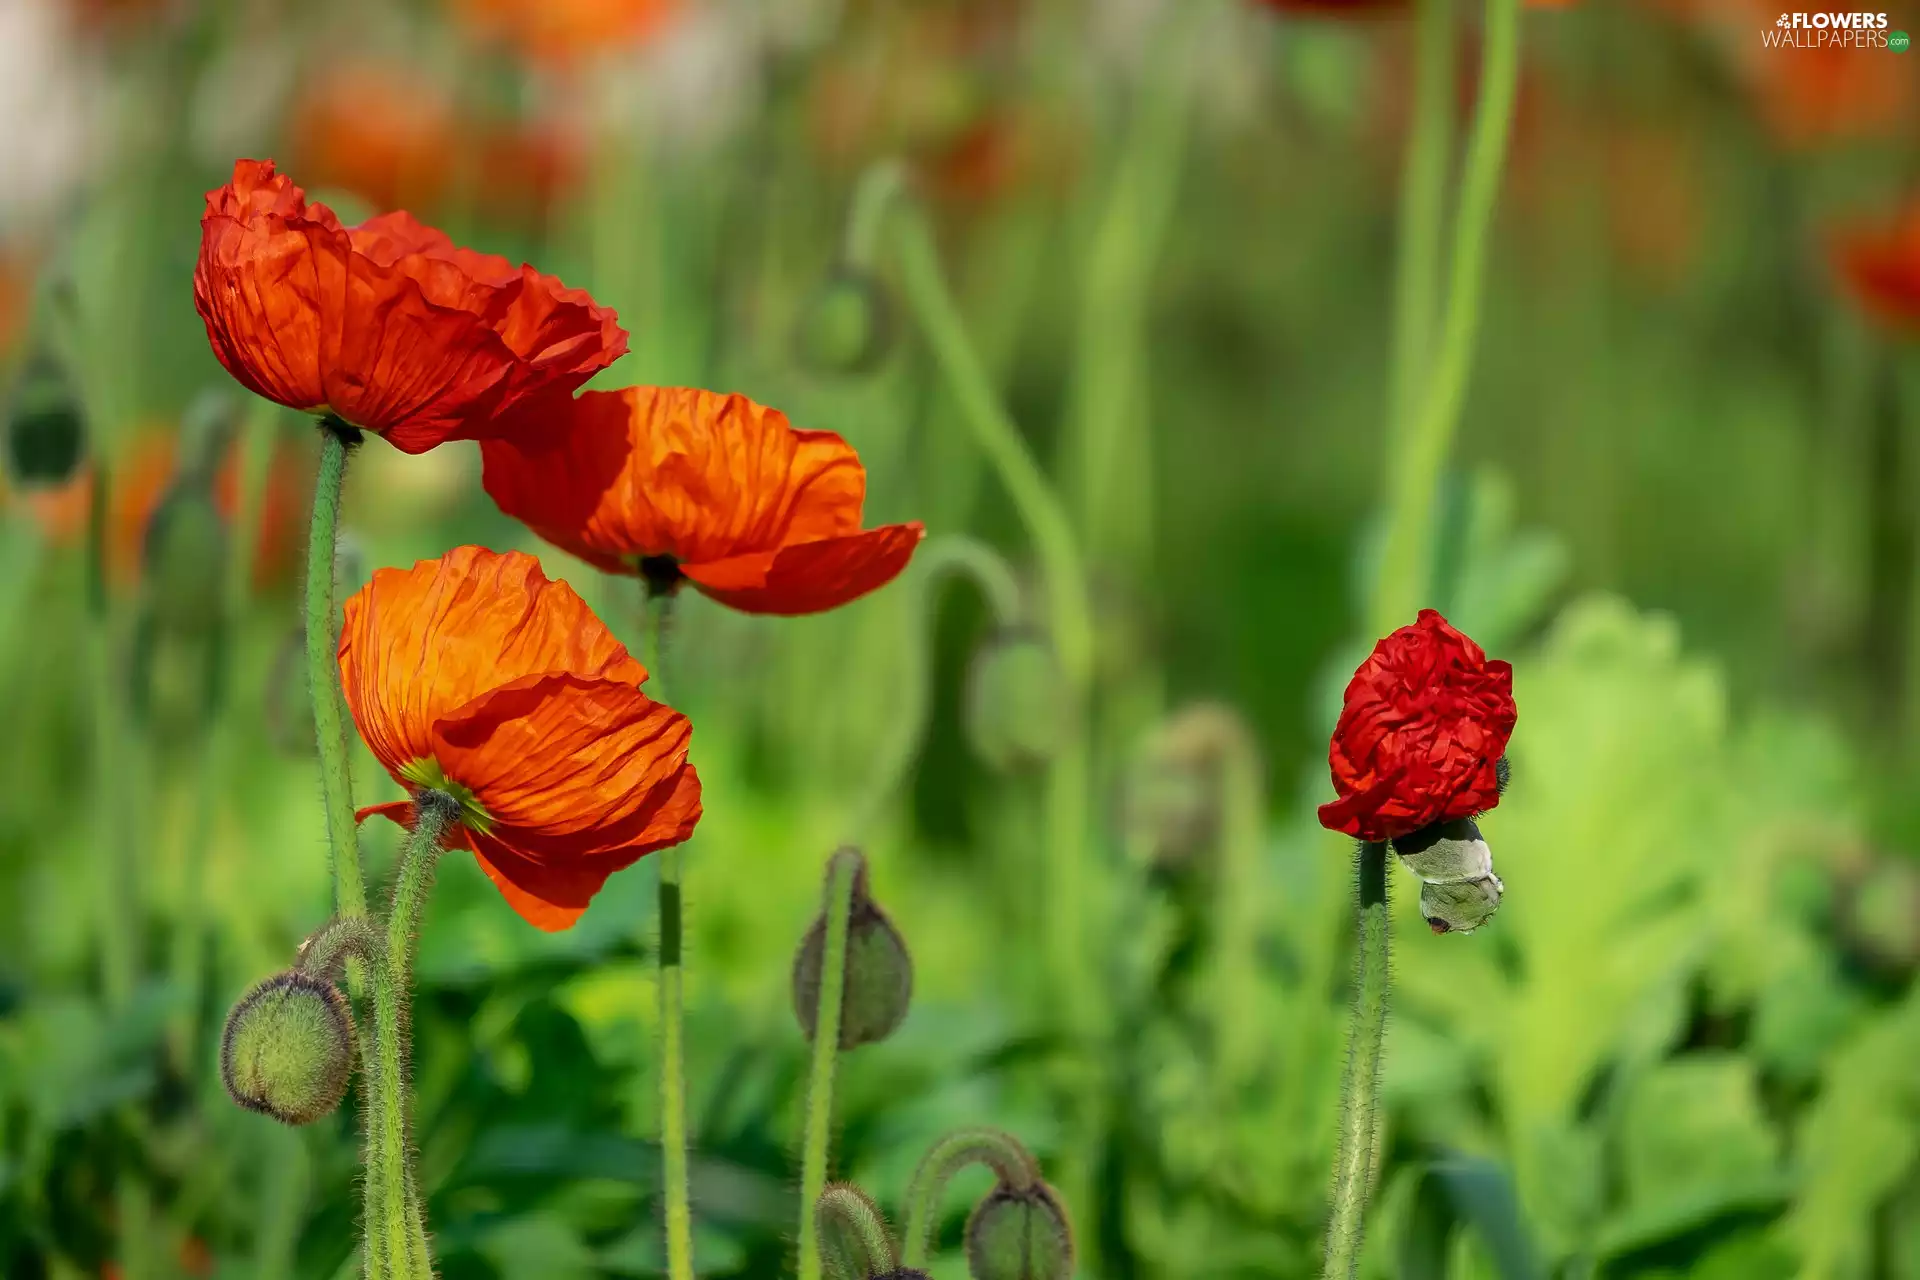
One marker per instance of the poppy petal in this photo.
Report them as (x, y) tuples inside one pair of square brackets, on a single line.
[(617, 476), (419, 644), (809, 577)]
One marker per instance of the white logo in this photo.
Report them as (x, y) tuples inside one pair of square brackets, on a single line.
[(1827, 30)]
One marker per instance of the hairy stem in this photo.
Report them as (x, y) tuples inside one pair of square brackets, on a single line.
[(673, 1067), (843, 871), (323, 672), (1011, 1164), (1360, 1096), (392, 1198), (853, 1235)]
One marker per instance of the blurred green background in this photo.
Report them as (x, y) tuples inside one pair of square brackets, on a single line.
[(1688, 1045)]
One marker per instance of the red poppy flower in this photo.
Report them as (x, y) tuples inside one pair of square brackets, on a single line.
[(674, 483), (388, 324), (1880, 267), (474, 675), (1425, 722)]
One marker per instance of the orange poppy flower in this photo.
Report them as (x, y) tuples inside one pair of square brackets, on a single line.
[(475, 675), (388, 324), (677, 484), (1880, 267), (562, 31)]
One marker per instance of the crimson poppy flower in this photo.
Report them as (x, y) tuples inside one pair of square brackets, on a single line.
[(474, 675), (1880, 267), (1421, 734), (388, 325), (677, 484)]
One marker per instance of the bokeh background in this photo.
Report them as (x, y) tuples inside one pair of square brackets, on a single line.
[(1680, 504)]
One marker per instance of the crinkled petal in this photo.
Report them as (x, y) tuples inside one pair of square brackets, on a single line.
[(809, 577)]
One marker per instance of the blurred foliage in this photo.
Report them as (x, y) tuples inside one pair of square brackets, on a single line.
[(1685, 1046)]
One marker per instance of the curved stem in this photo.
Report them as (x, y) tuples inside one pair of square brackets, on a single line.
[(852, 1233), (392, 1199), (1011, 1164), (673, 1070), (1359, 1134), (1423, 453), (323, 673), (1423, 195), (950, 555), (843, 872), (872, 199)]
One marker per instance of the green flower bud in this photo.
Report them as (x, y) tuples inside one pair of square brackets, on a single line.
[(846, 326), (1462, 905), (879, 975), (1017, 713), (1446, 852), (46, 427), (184, 549), (287, 1051), (1020, 1234)]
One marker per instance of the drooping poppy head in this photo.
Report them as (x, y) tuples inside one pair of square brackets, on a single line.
[(1421, 734), (678, 484), (388, 325), (1879, 267), (474, 675)]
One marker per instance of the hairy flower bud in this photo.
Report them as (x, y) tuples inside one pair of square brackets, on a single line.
[(46, 426), (1016, 709), (847, 324), (1461, 906), (878, 984), (1020, 1234), (287, 1051)]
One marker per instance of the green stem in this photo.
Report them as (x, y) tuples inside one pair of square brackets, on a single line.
[(1359, 1112), (950, 555), (323, 672), (1071, 997), (392, 1198), (1423, 452), (853, 1234), (1423, 194), (843, 871), (673, 1069), (1011, 1163), (873, 198)]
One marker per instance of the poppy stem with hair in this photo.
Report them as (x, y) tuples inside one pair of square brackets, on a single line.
[(1360, 1099), (395, 1224), (843, 870), (1069, 777), (1011, 1163), (673, 1069), (337, 438)]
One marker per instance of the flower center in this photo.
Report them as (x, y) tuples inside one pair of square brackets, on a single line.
[(661, 574), (428, 773)]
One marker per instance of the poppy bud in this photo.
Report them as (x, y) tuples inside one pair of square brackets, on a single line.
[(46, 426), (1462, 905), (184, 548), (1016, 711), (287, 1050), (878, 984), (1020, 1234), (847, 324)]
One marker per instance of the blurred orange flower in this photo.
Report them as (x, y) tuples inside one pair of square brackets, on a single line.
[(680, 484), (387, 324), (16, 297), (392, 135), (563, 31), (474, 675), (1362, 8), (1879, 267), (140, 478)]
